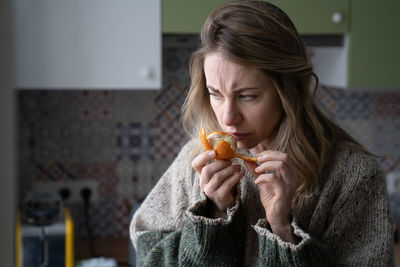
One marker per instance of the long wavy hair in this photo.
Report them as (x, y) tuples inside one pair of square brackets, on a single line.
[(260, 35)]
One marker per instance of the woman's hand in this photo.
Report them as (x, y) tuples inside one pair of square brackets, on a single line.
[(218, 180), (277, 183)]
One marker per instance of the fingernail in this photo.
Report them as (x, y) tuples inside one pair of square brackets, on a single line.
[(211, 153), (260, 157), (257, 169)]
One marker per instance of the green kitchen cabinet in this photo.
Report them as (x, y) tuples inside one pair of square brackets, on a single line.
[(186, 16), (374, 44), (310, 16), (317, 16)]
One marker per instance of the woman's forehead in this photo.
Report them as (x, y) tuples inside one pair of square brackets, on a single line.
[(222, 72)]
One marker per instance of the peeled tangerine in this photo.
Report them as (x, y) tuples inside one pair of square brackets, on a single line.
[(224, 144)]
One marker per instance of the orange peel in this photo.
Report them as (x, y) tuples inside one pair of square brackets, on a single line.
[(224, 145)]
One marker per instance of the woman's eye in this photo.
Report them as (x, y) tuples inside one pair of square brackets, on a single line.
[(247, 97), (214, 95)]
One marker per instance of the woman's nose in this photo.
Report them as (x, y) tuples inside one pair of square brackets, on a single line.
[(231, 115)]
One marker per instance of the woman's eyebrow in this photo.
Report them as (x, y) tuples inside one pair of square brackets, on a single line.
[(241, 90), (209, 87), (235, 91)]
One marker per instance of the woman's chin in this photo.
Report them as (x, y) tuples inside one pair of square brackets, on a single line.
[(244, 145)]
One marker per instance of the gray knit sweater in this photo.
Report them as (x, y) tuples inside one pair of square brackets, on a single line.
[(347, 223)]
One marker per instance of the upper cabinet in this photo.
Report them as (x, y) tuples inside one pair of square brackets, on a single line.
[(87, 44), (369, 57), (317, 16), (374, 44), (187, 16), (309, 16)]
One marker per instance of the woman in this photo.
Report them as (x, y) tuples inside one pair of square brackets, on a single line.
[(314, 197)]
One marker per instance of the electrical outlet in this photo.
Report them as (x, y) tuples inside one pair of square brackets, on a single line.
[(74, 187)]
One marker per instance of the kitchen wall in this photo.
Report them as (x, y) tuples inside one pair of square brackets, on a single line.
[(124, 140), (7, 139)]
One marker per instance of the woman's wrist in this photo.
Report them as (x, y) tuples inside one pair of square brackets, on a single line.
[(213, 211), (285, 232), (215, 214)]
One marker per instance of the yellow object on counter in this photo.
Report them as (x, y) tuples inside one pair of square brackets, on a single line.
[(69, 239)]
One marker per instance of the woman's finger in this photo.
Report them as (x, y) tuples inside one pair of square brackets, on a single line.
[(269, 178), (280, 168), (278, 174), (219, 193), (202, 159), (273, 155), (220, 177), (209, 170), (251, 166)]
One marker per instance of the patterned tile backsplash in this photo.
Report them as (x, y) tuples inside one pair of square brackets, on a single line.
[(125, 140)]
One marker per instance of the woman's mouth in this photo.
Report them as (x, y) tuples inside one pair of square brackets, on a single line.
[(240, 136)]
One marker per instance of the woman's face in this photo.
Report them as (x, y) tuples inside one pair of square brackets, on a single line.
[(244, 101)]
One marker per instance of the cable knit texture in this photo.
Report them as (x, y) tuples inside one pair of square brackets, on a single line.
[(346, 223)]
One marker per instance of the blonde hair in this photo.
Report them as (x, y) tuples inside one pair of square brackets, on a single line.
[(259, 34)]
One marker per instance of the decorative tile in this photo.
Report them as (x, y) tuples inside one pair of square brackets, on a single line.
[(386, 105), (172, 63), (389, 163), (94, 141), (122, 215), (131, 106), (361, 130), (169, 103), (134, 140), (125, 174), (326, 99), (125, 168), (353, 105), (95, 105), (27, 172), (387, 137), (54, 171), (101, 219), (175, 79), (48, 105), (104, 173), (52, 141), (26, 141), (169, 139), (62, 142), (145, 180)]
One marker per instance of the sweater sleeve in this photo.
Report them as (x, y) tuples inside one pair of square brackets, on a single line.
[(357, 232), (201, 242), (273, 251), (171, 229)]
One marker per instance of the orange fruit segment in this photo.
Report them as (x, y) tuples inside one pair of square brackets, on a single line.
[(223, 144), (204, 140), (224, 150)]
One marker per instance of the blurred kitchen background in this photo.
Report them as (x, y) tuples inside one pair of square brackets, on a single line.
[(97, 87)]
